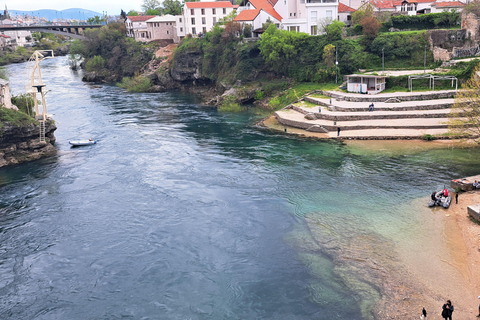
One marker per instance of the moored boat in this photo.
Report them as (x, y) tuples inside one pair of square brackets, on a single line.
[(440, 198), (77, 143)]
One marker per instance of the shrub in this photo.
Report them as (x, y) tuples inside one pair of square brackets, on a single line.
[(24, 103), (428, 137), (229, 104), (95, 64), (136, 84)]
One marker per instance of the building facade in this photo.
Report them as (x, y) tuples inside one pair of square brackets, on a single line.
[(163, 28)]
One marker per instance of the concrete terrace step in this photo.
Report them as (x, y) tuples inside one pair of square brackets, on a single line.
[(340, 105), (293, 118), (370, 115), (382, 97)]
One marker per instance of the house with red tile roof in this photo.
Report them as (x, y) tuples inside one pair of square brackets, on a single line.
[(345, 14), (293, 15), (137, 27), (447, 6)]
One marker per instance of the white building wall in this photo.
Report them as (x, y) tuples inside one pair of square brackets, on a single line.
[(203, 20)]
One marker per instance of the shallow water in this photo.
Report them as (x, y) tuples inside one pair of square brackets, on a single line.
[(181, 212)]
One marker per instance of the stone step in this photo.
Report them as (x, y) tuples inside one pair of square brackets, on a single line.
[(382, 97), (293, 118), (312, 114), (348, 106)]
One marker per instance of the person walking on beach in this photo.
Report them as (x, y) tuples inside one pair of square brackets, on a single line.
[(478, 308), (456, 198), (424, 314), (447, 310)]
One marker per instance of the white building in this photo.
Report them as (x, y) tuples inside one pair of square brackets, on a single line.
[(201, 17), (21, 38), (163, 28), (345, 14), (137, 27), (294, 15)]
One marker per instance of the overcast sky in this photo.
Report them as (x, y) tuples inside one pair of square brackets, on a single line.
[(112, 7)]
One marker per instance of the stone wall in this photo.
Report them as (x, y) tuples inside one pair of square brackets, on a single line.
[(22, 144)]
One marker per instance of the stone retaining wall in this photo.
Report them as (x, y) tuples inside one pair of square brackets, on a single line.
[(394, 107), (377, 98)]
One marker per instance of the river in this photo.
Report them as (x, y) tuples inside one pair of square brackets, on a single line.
[(182, 212)]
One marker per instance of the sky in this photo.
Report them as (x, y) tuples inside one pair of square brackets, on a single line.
[(112, 7)]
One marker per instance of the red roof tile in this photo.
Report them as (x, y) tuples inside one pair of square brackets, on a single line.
[(140, 18), (247, 15), (449, 4), (344, 8), (210, 4), (267, 7), (382, 4)]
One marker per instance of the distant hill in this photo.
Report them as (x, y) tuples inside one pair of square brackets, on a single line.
[(75, 13)]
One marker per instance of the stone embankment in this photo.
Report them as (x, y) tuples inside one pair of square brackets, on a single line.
[(22, 144), (395, 115)]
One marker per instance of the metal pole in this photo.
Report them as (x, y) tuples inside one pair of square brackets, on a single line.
[(425, 61), (336, 65)]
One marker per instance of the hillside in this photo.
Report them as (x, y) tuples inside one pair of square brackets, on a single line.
[(50, 14)]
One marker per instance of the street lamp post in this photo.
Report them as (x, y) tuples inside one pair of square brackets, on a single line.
[(425, 61), (336, 64)]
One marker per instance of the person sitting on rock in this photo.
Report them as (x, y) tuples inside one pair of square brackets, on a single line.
[(476, 185)]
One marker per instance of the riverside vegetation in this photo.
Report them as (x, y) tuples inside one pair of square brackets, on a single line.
[(272, 71)]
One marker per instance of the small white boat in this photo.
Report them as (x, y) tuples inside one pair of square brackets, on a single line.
[(77, 143)]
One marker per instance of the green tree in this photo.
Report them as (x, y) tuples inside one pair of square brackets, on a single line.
[(279, 47), (370, 26), (95, 20), (132, 13), (329, 55), (153, 12), (173, 7), (150, 4), (334, 30), (465, 115), (366, 10), (121, 56)]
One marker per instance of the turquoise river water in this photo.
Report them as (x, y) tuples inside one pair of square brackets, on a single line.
[(182, 212)]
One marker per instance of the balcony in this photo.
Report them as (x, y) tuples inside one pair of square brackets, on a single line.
[(314, 2)]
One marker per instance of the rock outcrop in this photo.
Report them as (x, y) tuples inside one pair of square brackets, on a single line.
[(22, 144)]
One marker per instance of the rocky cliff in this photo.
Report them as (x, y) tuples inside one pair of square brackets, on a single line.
[(21, 143)]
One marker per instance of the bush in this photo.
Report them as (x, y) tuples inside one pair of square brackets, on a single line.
[(136, 84), (229, 104), (17, 118), (97, 63), (24, 103), (444, 19)]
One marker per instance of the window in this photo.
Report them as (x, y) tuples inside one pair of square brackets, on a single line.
[(180, 20), (194, 31), (313, 17), (313, 30), (214, 20), (181, 29), (224, 10), (168, 32), (204, 29), (193, 20), (214, 11), (192, 12), (203, 12), (329, 14), (204, 20)]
